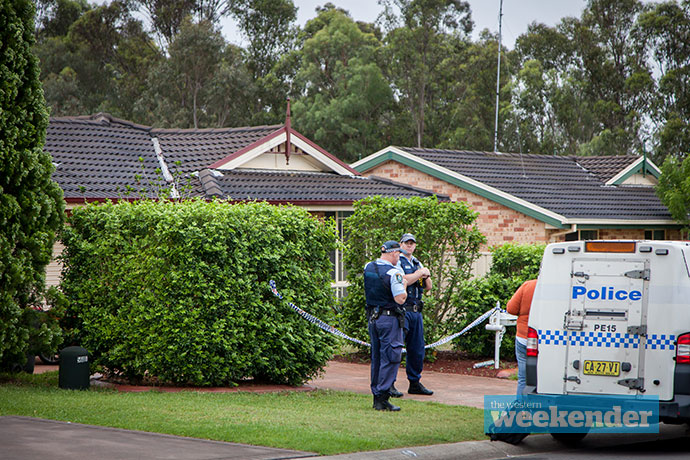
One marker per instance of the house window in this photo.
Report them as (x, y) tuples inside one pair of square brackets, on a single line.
[(655, 234), (338, 272), (582, 235)]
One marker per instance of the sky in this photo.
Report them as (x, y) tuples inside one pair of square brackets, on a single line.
[(517, 15)]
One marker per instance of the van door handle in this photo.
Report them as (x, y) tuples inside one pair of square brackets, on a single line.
[(580, 275), (572, 378)]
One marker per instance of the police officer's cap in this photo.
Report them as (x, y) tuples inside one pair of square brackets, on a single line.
[(392, 246), (408, 237)]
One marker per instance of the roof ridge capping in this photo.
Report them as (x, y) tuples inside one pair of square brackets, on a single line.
[(207, 177), (101, 118), (479, 152)]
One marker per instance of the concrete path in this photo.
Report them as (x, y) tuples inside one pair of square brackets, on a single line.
[(455, 389), (26, 438)]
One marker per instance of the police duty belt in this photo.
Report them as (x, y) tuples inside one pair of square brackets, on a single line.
[(333, 330)]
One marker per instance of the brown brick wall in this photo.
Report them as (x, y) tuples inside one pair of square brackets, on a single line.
[(498, 223)]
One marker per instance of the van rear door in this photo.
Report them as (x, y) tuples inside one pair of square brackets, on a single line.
[(606, 326)]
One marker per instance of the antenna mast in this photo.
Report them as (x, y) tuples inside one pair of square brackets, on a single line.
[(498, 74)]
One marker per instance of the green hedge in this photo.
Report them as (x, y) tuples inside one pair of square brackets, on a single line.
[(178, 291), (511, 266)]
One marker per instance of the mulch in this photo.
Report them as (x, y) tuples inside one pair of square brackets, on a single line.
[(449, 362)]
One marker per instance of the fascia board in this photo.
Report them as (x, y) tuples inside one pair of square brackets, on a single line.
[(634, 168), (622, 222), (374, 159), (462, 181), (253, 153), (297, 140)]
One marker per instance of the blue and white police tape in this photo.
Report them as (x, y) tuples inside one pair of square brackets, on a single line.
[(467, 328), (333, 330), (314, 320)]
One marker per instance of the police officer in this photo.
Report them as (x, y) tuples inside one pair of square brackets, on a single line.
[(418, 282), (385, 290)]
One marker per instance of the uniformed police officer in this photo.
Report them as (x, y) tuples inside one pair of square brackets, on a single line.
[(385, 290), (418, 282)]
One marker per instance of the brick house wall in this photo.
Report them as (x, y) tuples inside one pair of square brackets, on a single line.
[(497, 222)]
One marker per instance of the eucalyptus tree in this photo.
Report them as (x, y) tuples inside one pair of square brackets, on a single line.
[(666, 27), (416, 45), (343, 95)]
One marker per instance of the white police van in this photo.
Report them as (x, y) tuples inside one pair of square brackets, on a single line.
[(613, 318)]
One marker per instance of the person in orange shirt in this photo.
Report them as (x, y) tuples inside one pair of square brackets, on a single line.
[(519, 305)]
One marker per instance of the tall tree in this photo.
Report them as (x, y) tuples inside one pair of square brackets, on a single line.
[(463, 99), (415, 47), (666, 28), (203, 83), (101, 64), (614, 65), (597, 83), (269, 28), (31, 204), (343, 94)]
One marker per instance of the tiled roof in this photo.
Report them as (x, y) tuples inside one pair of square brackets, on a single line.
[(556, 183), (100, 156), (285, 186), (606, 167)]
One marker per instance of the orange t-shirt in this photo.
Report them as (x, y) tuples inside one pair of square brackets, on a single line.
[(520, 304)]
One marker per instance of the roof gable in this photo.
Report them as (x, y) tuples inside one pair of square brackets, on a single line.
[(270, 153), (556, 190)]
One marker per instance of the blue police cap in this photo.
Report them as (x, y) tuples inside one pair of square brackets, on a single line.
[(392, 246), (408, 237)]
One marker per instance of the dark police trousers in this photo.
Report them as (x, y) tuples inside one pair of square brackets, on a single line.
[(386, 339), (414, 339)]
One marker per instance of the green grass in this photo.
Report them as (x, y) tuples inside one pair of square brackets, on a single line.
[(325, 422)]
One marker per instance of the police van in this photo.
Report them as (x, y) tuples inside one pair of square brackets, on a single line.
[(613, 318)]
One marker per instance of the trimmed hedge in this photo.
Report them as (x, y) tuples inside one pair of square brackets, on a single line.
[(179, 291)]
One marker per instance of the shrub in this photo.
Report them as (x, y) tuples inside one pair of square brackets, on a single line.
[(179, 291), (512, 265), (31, 205), (447, 243)]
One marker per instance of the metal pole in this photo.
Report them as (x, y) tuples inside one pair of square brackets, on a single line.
[(498, 74)]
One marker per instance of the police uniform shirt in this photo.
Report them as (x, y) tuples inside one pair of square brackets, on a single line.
[(408, 267), (396, 276)]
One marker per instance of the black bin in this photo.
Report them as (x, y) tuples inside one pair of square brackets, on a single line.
[(74, 369)]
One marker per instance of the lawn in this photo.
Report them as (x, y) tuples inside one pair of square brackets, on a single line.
[(326, 422)]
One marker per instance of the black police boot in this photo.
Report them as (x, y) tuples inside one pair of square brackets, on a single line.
[(416, 388), (381, 403), (394, 392)]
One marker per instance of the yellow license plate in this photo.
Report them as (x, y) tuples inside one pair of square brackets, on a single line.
[(612, 368)]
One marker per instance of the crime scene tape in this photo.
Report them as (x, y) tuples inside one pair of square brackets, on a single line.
[(333, 330), (314, 320)]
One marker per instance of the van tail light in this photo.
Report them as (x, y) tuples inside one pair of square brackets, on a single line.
[(533, 342), (682, 349)]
